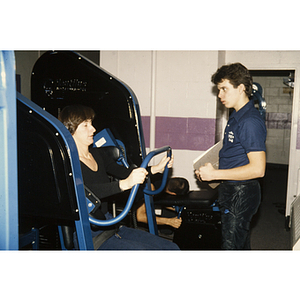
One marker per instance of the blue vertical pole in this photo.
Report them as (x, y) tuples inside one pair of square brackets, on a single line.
[(150, 211), (8, 154)]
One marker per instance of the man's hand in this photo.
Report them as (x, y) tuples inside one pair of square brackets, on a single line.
[(254, 169), (174, 222), (206, 173)]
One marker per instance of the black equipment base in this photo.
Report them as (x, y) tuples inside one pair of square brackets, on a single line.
[(200, 230)]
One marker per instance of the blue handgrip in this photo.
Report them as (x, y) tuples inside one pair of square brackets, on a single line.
[(180, 212), (133, 192), (164, 179)]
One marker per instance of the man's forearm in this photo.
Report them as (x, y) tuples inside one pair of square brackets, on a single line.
[(255, 169)]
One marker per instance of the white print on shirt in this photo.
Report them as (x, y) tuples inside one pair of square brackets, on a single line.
[(230, 136)]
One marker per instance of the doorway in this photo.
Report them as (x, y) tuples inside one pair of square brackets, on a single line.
[(279, 99), (270, 220)]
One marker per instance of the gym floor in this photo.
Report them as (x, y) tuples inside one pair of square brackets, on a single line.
[(269, 230)]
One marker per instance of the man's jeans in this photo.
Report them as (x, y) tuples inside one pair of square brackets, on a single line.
[(238, 202)]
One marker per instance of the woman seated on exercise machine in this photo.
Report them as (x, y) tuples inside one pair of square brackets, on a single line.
[(96, 166)]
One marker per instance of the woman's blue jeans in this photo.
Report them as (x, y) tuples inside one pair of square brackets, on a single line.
[(135, 239), (238, 202), (132, 239)]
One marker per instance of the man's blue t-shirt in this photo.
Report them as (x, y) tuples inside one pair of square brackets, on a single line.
[(245, 132)]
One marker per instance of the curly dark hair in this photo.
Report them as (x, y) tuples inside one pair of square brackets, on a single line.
[(236, 74), (73, 115), (178, 185)]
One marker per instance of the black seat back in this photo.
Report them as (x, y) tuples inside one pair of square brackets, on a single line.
[(61, 78), (46, 186), (50, 185)]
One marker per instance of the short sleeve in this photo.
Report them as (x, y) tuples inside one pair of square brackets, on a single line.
[(253, 134)]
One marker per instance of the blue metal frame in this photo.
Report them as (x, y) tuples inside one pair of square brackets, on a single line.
[(149, 203), (148, 193), (83, 230), (82, 226), (130, 97), (133, 192), (107, 138), (9, 235), (31, 237)]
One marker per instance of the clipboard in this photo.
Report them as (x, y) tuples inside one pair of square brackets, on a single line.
[(209, 156)]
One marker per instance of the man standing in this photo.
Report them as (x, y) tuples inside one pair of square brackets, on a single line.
[(242, 158)]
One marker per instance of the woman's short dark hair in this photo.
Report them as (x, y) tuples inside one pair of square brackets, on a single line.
[(236, 74), (73, 115)]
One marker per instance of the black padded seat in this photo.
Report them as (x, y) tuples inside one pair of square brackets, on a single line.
[(194, 199)]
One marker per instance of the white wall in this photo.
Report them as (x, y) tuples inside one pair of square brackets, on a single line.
[(170, 84), (25, 61), (183, 87), (177, 83)]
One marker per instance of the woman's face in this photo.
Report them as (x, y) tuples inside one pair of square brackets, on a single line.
[(84, 134)]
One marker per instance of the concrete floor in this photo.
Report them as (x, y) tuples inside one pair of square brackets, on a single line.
[(268, 225)]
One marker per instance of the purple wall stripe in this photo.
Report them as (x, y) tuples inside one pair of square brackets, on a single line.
[(199, 134), (278, 120), (181, 133)]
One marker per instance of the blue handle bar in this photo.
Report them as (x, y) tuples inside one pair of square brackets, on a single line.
[(164, 179), (134, 190)]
